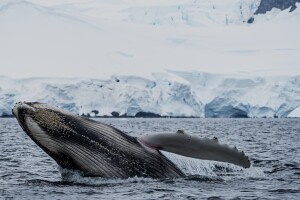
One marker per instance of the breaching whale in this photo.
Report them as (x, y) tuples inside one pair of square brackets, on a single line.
[(97, 149)]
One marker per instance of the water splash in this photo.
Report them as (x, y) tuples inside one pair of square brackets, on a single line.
[(192, 166), (76, 177)]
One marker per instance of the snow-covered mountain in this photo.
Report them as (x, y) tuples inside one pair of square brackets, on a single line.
[(173, 93), (98, 38), (247, 52)]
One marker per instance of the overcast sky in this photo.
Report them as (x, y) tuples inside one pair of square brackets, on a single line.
[(39, 41)]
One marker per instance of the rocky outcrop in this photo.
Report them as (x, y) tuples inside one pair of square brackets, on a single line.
[(267, 5), (147, 114)]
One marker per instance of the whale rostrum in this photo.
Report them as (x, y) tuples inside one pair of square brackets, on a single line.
[(96, 149)]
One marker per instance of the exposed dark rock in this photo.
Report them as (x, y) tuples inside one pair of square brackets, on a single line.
[(146, 114), (96, 112), (250, 20), (267, 5), (222, 108), (115, 114)]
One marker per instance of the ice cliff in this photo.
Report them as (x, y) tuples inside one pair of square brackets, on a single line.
[(173, 93)]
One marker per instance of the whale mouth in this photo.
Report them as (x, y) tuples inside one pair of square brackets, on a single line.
[(20, 110), (62, 136), (36, 119), (25, 106)]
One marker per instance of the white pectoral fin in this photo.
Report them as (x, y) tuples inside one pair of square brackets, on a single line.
[(195, 147)]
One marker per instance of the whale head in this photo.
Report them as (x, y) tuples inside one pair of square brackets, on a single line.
[(51, 129), (74, 142)]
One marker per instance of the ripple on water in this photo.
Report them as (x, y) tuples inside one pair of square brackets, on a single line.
[(26, 172), (283, 191)]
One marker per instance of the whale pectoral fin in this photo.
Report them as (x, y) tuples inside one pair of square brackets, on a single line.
[(195, 147)]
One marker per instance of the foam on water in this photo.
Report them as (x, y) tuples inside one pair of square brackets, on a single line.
[(202, 169), (192, 166), (76, 177)]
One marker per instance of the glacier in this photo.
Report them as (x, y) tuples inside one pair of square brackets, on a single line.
[(175, 58), (169, 94)]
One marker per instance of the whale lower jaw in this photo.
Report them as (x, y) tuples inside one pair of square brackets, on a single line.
[(71, 155)]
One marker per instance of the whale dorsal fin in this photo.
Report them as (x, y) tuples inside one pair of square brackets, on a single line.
[(195, 147)]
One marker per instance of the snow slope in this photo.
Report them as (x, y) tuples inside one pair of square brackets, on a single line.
[(173, 93), (96, 39), (295, 113)]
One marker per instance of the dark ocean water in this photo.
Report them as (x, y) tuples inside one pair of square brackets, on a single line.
[(273, 146)]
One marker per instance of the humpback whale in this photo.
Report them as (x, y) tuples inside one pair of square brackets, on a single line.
[(96, 149)]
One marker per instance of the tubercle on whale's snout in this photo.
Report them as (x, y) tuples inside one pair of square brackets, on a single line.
[(15, 109), (23, 109)]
